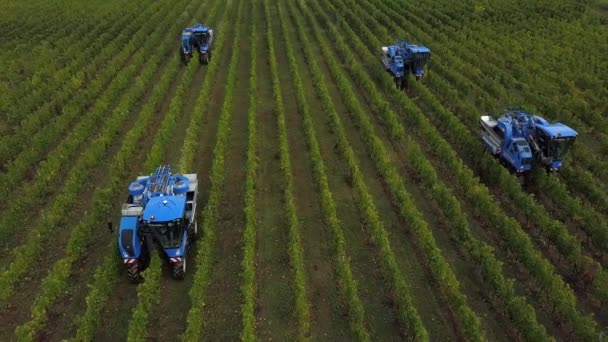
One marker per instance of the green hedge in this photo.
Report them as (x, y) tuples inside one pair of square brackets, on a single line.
[(249, 236), (347, 284), (556, 292), (205, 249), (395, 281), (295, 248)]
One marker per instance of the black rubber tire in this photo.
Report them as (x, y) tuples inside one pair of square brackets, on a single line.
[(133, 272), (204, 58), (185, 58), (178, 269), (400, 82)]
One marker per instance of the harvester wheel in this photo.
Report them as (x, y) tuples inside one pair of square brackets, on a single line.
[(204, 59), (400, 83), (179, 269), (524, 180), (133, 272), (185, 58)]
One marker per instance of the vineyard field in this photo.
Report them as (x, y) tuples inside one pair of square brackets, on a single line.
[(332, 205)]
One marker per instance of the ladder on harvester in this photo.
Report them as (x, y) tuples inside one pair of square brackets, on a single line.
[(158, 184)]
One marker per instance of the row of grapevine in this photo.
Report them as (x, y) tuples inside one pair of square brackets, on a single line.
[(209, 215), (529, 324), (148, 292), (24, 21), (248, 286), (395, 280), (24, 254), (104, 280), (17, 41), (445, 277), (558, 232), (576, 178), (32, 193), (107, 273), (570, 208), (512, 188), (295, 249), (38, 138), (14, 17), (82, 43), (349, 285), (492, 268), (148, 296), (48, 171), (584, 182), (558, 294), (56, 282), (515, 187), (519, 311), (67, 102)]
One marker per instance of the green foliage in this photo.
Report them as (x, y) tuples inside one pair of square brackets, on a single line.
[(33, 194), (593, 222), (104, 280), (445, 277), (61, 65), (55, 284), (556, 232), (490, 268), (148, 291), (106, 274), (348, 284), (559, 295), (49, 123), (295, 247), (396, 283), (148, 296), (205, 249), (249, 236), (93, 157)]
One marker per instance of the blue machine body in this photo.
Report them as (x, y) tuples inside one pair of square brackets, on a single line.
[(198, 37), (187, 41), (201, 38), (519, 138), (129, 241), (403, 58), (161, 209)]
